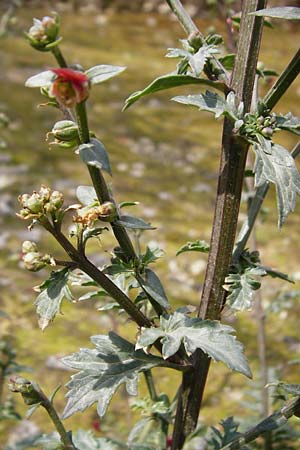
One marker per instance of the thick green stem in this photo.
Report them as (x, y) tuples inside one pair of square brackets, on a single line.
[(287, 77), (233, 159), (276, 420)]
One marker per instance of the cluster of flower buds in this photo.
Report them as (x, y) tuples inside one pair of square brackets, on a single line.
[(33, 260), (64, 134), (39, 204), (43, 35), (252, 124), (106, 212)]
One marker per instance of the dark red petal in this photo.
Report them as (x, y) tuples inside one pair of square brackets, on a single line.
[(74, 76)]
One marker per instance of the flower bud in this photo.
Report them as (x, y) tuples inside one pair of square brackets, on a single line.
[(35, 203), (56, 199), (195, 40), (66, 131), (33, 261), (44, 193), (29, 246), (267, 132), (43, 35), (107, 212)]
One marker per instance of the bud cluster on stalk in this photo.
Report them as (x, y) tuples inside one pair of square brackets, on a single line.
[(29, 391), (43, 35), (107, 212), (34, 260), (39, 204), (252, 124)]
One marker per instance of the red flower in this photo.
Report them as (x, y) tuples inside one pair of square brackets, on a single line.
[(69, 87)]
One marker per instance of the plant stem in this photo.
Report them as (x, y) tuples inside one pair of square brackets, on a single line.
[(97, 275), (64, 436), (233, 159), (254, 209), (151, 385), (287, 77), (59, 56), (274, 421), (190, 28)]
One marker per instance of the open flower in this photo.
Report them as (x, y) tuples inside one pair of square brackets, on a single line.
[(69, 87)]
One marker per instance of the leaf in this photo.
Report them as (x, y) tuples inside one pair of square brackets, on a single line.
[(170, 81), (278, 168), (102, 370), (284, 12), (86, 195), (148, 433), (228, 61), (211, 102), (95, 154), (212, 337), (49, 441), (43, 79), (288, 122), (133, 223), (152, 286), (274, 273), (242, 287), (152, 254), (85, 440), (219, 439), (98, 74), (49, 300), (198, 60), (291, 389), (125, 204), (195, 246)]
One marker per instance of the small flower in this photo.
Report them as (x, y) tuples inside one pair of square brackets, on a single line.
[(87, 216), (69, 87), (29, 246), (43, 35), (38, 204)]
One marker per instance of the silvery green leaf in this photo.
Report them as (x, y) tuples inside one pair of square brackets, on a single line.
[(85, 440), (278, 168), (102, 370), (195, 246), (148, 434), (212, 337), (134, 223), (86, 195), (103, 72), (289, 123), (242, 286), (152, 285), (198, 60), (43, 79), (49, 442), (211, 102), (177, 53), (95, 154), (49, 300), (169, 81), (284, 12)]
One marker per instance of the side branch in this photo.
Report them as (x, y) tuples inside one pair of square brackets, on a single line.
[(274, 421)]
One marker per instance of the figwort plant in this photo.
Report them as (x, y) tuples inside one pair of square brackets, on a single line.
[(176, 340)]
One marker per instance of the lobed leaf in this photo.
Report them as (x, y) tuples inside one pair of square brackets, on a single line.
[(195, 246), (95, 154), (284, 12), (288, 123), (103, 72), (212, 337), (170, 81), (242, 287), (49, 300), (102, 370), (211, 102), (278, 167)]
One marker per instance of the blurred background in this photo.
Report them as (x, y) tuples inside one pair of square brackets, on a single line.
[(163, 155)]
